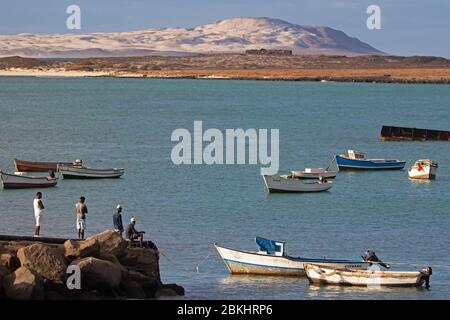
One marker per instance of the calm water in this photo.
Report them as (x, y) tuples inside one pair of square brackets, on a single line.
[(128, 122)]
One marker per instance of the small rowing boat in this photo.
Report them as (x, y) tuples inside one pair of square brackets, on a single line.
[(355, 160), (89, 173), (21, 181), (35, 166), (423, 169), (314, 173), (290, 183), (320, 274), (270, 259)]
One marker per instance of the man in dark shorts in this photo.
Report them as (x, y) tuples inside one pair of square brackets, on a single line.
[(132, 234)]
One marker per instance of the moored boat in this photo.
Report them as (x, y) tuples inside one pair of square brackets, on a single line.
[(290, 183), (69, 172), (423, 169), (270, 259), (321, 274), (314, 173), (36, 166), (20, 181), (356, 160)]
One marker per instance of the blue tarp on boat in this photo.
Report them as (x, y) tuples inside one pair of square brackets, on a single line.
[(267, 245)]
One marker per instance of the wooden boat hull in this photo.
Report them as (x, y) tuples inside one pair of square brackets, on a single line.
[(11, 181), (248, 262), (319, 274), (277, 184), (370, 164), (89, 173), (34, 166)]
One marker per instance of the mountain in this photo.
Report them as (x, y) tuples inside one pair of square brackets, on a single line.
[(229, 35)]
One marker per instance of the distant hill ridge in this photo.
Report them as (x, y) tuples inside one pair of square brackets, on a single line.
[(228, 35)]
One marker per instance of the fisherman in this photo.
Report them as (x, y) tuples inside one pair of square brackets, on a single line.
[(38, 213), (322, 180), (51, 175), (81, 210), (132, 234), (117, 220)]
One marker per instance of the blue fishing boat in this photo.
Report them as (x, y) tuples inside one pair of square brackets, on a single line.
[(356, 160)]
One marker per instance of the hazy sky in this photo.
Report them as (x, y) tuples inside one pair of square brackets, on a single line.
[(409, 27)]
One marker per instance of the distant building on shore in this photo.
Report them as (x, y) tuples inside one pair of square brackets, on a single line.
[(276, 52)]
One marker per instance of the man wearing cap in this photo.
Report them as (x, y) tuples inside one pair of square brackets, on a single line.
[(117, 220), (132, 234)]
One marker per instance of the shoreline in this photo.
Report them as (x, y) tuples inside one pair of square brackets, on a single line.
[(400, 76), (378, 69)]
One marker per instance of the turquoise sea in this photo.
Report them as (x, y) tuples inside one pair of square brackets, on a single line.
[(128, 123)]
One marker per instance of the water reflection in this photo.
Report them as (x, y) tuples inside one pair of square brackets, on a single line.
[(362, 292)]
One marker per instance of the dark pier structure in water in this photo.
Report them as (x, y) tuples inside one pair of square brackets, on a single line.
[(391, 133)]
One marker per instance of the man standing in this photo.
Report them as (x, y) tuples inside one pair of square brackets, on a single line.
[(81, 210), (132, 234), (38, 213), (117, 220)]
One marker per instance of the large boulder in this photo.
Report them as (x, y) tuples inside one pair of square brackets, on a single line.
[(112, 258), (111, 242), (169, 290), (99, 274), (149, 284), (133, 289), (4, 271), (45, 260), (24, 284), (142, 259), (81, 249), (9, 261)]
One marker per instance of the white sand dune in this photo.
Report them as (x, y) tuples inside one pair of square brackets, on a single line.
[(229, 35)]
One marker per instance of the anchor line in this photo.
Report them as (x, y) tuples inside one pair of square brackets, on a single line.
[(196, 269)]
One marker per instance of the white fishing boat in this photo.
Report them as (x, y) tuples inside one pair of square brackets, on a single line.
[(423, 169), (270, 259), (20, 180), (290, 183), (314, 173), (89, 173), (321, 274)]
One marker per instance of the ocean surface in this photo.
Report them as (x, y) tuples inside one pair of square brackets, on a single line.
[(128, 123)]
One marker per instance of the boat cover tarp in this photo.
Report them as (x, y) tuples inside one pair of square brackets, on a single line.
[(267, 245)]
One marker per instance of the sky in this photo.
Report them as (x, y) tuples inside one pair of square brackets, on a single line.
[(408, 27)]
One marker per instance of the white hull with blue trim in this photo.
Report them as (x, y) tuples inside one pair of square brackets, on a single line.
[(262, 263), (355, 160)]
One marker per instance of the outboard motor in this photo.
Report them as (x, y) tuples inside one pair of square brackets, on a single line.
[(369, 255), (426, 273)]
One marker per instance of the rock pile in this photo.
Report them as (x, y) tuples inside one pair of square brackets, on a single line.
[(107, 265)]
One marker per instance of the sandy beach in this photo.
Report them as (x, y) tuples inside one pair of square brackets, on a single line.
[(386, 69)]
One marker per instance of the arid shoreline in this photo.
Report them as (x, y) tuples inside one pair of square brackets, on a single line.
[(383, 69)]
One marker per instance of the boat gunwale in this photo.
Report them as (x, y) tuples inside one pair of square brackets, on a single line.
[(87, 169), (291, 258), (28, 177), (376, 161)]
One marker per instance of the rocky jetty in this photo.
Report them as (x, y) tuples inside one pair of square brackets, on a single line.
[(104, 266)]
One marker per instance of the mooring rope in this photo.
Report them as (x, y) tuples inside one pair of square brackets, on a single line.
[(196, 269)]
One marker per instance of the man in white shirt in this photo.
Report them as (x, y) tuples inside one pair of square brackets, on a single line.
[(38, 213)]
